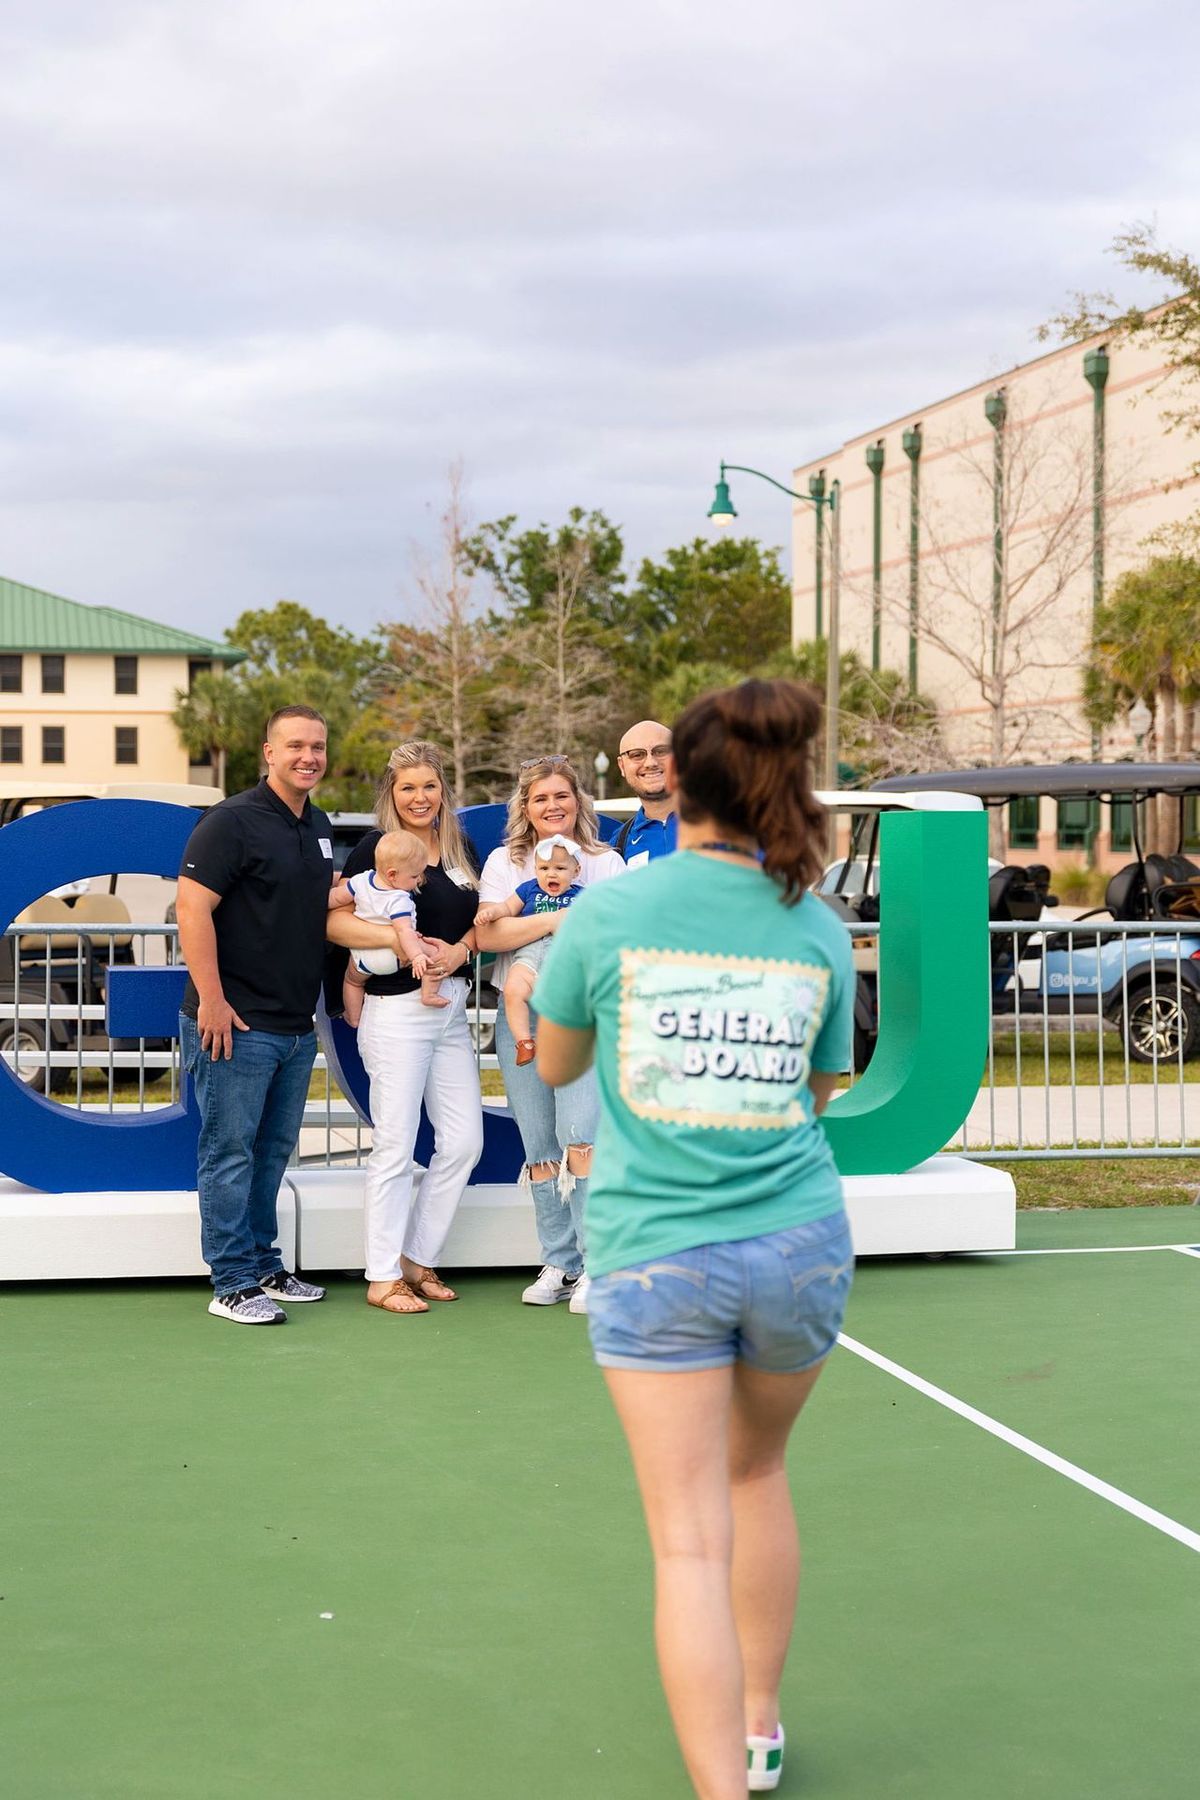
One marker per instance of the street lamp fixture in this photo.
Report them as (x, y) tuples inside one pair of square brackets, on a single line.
[(1140, 720), (723, 512), (601, 765)]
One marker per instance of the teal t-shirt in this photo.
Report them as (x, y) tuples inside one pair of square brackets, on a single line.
[(712, 1002)]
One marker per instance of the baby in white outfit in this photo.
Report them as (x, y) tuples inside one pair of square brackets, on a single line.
[(384, 894)]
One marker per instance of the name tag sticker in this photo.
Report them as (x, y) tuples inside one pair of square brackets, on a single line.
[(326, 847)]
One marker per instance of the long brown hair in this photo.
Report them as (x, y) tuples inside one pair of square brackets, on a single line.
[(455, 858), (519, 833), (743, 758)]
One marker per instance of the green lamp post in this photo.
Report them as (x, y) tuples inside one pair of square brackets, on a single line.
[(723, 512)]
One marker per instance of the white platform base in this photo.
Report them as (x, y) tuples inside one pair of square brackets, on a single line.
[(85, 1237), (945, 1204)]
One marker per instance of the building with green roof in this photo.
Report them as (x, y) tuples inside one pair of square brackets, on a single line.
[(87, 692)]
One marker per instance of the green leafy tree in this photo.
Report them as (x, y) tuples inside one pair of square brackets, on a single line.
[(292, 656), (1146, 645), (211, 716), (725, 602)]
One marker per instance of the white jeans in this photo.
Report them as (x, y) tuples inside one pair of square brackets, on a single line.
[(413, 1053)]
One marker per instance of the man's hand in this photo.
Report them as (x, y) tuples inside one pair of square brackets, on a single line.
[(216, 1020)]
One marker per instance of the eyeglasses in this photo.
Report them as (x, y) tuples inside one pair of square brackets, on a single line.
[(544, 762), (659, 752)]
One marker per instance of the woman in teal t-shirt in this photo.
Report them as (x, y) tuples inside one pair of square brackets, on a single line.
[(716, 996)]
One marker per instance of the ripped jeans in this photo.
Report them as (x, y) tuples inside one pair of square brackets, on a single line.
[(549, 1120)]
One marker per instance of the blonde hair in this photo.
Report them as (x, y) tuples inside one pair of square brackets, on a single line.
[(520, 834), (453, 845), (401, 850)]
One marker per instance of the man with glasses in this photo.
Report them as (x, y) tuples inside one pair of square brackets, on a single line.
[(642, 756)]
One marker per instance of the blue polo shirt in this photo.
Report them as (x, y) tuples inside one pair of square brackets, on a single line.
[(649, 838)]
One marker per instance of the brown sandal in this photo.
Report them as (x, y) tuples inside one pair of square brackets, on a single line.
[(398, 1290), (526, 1051), (423, 1281)]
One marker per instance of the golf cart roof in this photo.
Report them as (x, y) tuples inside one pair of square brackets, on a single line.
[(1060, 781), (22, 796), (852, 800)]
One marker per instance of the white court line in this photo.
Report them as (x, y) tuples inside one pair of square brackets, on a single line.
[(1083, 1250), (1147, 1514)]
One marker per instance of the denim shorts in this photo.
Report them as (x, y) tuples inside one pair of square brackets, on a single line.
[(773, 1302)]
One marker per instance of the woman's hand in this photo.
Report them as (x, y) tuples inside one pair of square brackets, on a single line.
[(444, 958)]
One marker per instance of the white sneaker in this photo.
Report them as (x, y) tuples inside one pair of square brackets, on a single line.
[(551, 1286), (579, 1297), (249, 1306), (764, 1762)]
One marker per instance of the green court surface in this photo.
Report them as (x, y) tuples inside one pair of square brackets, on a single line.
[(184, 1501)]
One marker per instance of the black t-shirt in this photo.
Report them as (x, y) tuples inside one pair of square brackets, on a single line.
[(444, 910), (273, 872)]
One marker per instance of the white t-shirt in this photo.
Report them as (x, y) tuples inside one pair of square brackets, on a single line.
[(372, 900), (502, 876)]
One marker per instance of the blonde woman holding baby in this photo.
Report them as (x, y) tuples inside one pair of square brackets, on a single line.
[(413, 1033)]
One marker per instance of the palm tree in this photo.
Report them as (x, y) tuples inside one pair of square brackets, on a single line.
[(1146, 644)]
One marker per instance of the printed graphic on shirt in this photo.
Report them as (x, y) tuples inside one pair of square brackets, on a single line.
[(718, 1040)]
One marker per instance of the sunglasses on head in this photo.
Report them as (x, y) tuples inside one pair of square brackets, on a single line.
[(544, 762)]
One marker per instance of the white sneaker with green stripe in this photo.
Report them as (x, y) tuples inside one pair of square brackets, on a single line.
[(764, 1762)]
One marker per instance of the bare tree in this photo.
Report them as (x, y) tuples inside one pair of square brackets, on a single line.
[(1005, 590), (560, 670), (444, 663)]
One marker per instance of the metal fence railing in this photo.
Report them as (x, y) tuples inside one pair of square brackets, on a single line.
[(1093, 1039)]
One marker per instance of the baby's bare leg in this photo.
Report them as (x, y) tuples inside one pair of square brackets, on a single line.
[(431, 991), (518, 990), (352, 995)]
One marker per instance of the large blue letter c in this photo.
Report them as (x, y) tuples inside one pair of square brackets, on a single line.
[(54, 1147)]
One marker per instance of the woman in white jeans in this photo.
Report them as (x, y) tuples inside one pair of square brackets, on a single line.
[(416, 1053)]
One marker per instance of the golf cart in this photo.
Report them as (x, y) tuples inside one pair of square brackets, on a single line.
[(1145, 985)]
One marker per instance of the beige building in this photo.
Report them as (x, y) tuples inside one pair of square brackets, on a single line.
[(1015, 501), (87, 692)]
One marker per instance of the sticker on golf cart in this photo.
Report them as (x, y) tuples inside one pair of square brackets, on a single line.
[(718, 1040)]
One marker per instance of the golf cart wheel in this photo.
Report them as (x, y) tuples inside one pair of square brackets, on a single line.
[(29, 1043), (1161, 1025)]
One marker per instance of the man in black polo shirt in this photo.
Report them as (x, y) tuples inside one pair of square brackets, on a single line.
[(253, 895)]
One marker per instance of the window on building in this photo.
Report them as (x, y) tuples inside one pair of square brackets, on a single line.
[(125, 672), (54, 744), (1191, 823), (1023, 822), (1120, 830), (54, 674), (202, 759), (12, 744), (10, 675), (197, 666), (126, 744), (1078, 821)]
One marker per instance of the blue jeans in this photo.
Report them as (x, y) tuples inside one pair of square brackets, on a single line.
[(549, 1119), (250, 1111)]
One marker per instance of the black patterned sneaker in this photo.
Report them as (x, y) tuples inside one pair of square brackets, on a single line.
[(290, 1287), (249, 1306)]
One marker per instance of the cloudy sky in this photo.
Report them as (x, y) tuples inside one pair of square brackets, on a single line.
[(267, 268)]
